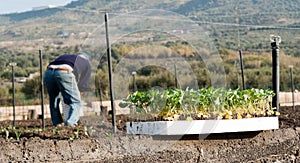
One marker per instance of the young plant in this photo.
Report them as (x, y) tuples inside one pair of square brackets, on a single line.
[(76, 133), (18, 135), (85, 131), (91, 131), (54, 131), (109, 135), (6, 132), (72, 137), (205, 103)]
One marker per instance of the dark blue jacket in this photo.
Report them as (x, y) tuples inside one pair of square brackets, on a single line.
[(81, 69)]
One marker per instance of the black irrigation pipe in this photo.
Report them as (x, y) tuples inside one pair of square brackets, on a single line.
[(275, 40)]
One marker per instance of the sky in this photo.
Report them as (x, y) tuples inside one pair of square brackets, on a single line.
[(12, 6)]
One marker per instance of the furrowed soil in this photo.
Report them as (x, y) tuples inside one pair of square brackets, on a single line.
[(93, 141)]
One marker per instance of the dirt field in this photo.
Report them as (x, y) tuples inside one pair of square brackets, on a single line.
[(96, 143)]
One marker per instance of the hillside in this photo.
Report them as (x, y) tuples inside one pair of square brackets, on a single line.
[(219, 17), (176, 26), (260, 12)]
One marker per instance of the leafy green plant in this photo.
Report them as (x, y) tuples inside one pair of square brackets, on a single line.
[(85, 130), (205, 103), (76, 132), (72, 137), (54, 130), (18, 134), (109, 135), (37, 129), (6, 132), (91, 131)]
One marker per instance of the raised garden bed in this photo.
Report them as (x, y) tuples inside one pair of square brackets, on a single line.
[(203, 111), (202, 126)]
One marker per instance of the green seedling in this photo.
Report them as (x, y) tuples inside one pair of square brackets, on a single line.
[(109, 135), (6, 133), (76, 133), (92, 131), (72, 138), (210, 102), (36, 129), (18, 135), (22, 129), (11, 128), (85, 131), (54, 131)]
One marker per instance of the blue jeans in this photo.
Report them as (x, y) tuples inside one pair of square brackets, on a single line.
[(63, 82)]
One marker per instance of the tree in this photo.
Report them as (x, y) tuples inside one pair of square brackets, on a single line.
[(31, 88)]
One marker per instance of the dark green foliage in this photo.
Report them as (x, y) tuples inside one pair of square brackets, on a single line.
[(102, 83), (31, 88), (205, 101), (4, 93)]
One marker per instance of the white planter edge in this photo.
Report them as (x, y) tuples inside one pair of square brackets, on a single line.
[(201, 126)]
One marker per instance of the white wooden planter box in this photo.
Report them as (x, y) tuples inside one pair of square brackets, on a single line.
[(202, 126)]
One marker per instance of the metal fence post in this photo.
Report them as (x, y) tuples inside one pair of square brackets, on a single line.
[(134, 81), (110, 73), (13, 64), (242, 69), (176, 77), (42, 88), (292, 87)]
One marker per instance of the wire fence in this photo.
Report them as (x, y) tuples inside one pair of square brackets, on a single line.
[(235, 36)]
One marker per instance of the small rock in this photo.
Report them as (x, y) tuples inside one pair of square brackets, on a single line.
[(293, 157), (298, 130), (201, 152)]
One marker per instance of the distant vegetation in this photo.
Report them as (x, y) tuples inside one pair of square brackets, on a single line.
[(258, 72)]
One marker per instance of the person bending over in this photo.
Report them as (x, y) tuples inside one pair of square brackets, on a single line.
[(69, 74)]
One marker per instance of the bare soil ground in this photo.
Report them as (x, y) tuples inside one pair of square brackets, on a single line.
[(93, 141)]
